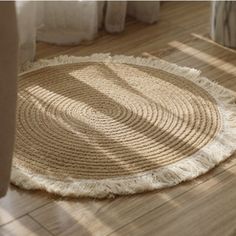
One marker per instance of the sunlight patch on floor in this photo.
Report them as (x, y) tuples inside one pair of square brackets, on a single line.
[(208, 40), (211, 60)]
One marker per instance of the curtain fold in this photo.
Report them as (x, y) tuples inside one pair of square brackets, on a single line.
[(114, 20), (67, 22), (147, 12), (70, 22), (26, 20)]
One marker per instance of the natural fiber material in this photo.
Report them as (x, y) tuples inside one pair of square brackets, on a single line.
[(101, 126)]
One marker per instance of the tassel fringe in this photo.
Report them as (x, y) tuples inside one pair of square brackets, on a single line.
[(221, 148)]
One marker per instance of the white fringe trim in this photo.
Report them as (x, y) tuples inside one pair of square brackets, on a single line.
[(221, 148)]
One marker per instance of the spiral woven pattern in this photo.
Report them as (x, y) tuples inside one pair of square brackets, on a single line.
[(104, 125), (96, 120)]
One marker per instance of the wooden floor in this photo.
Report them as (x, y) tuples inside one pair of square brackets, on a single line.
[(203, 207)]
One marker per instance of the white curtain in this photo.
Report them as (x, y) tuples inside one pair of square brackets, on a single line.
[(70, 22)]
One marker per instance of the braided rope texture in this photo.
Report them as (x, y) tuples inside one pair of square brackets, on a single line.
[(102, 126)]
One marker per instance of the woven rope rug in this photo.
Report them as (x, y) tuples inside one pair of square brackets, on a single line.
[(101, 126)]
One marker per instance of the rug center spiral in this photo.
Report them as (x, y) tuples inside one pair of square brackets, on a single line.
[(103, 120)]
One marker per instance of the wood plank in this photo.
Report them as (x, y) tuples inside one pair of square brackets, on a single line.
[(19, 202), (129, 42), (188, 208), (198, 18), (24, 226), (208, 209), (103, 217)]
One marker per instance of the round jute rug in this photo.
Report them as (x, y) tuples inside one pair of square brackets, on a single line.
[(101, 126)]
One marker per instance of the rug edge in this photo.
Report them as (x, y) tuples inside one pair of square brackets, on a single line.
[(156, 179)]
